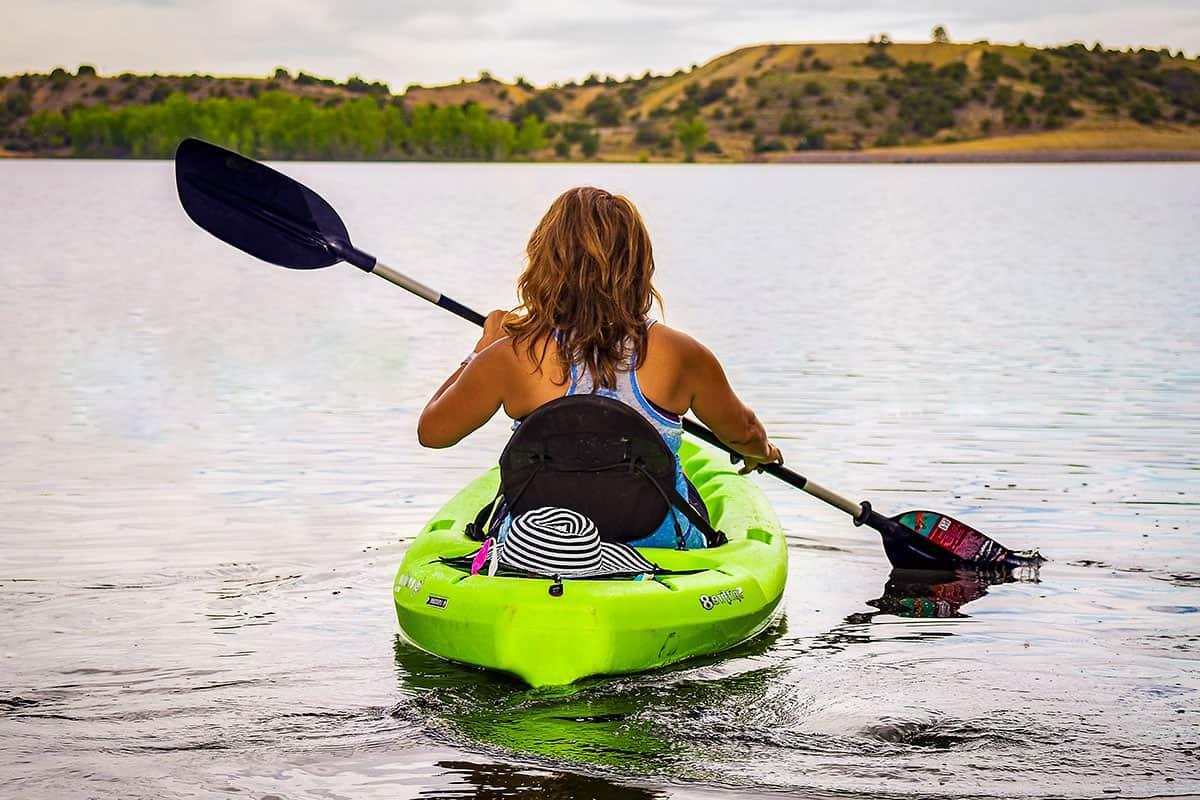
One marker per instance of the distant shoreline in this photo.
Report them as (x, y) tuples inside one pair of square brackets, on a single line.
[(812, 157), (848, 102), (992, 157)]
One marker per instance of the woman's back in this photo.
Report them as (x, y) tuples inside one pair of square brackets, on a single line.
[(586, 293), (659, 377)]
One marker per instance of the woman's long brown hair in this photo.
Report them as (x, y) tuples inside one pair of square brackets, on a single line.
[(589, 280)]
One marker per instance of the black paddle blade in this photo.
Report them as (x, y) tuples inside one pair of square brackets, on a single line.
[(931, 540), (256, 209)]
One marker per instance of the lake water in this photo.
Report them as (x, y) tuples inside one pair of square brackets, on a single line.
[(209, 474)]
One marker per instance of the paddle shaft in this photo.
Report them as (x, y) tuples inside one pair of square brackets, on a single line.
[(368, 263), (425, 293), (779, 471)]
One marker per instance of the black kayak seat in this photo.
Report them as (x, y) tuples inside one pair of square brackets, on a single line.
[(596, 456)]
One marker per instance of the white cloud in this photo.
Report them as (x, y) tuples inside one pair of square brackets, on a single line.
[(406, 41)]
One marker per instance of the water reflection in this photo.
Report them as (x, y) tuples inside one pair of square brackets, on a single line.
[(598, 721), (938, 594), (492, 781)]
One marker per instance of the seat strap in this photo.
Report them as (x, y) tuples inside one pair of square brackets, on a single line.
[(712, 536), (481, 527)]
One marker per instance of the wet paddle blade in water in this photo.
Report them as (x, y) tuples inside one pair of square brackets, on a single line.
[(932, 540)]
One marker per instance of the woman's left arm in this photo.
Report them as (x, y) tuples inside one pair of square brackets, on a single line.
[(473, 394)]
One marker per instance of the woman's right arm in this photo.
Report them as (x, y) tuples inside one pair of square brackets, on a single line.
[(718, 407)]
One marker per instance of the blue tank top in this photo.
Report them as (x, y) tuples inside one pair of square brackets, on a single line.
[(668, 425)]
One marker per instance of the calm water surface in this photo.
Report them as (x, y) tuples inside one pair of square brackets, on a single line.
[(208, 475)]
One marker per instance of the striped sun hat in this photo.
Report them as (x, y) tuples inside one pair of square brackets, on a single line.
[(559, 542)]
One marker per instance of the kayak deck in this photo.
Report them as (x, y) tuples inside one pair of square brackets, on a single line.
[(597, 626)]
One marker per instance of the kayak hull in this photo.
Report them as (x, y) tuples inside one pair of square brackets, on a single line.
[(597, 627)]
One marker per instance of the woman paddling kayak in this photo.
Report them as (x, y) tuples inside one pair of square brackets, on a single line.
[(582, 327)]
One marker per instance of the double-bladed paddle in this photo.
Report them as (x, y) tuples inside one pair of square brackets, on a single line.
[(279, 220)]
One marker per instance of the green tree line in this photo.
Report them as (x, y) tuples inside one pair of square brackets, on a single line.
[(282, 126)]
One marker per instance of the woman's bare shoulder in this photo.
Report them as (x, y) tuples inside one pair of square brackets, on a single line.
[(676, 343)]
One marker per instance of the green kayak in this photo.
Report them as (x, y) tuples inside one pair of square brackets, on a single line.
[(705, 601)]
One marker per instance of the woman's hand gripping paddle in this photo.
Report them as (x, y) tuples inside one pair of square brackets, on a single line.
[(279, 220)]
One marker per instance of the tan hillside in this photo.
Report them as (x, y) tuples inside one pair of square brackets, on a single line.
[(853, 101)]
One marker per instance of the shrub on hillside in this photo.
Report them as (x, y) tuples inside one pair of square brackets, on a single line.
[(954, 71), (1182, 87), (765, 145), (160, 92), (589, 144), (792, 123), (1145, 110), (356, 84), (540, 105), (992, 67), (647, 134), (890, 137), (813, 139), (605, 110), (878, 58), (305, 79), (877, 97), (926, 111), (16, 105), (46, 130), (692, 135), (1003, 96), (1017, 118), (714, 91)]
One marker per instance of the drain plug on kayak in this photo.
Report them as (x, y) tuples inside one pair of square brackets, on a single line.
[(556, 588)]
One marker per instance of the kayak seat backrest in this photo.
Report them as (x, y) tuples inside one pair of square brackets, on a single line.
[(592, 455), (596, 456)]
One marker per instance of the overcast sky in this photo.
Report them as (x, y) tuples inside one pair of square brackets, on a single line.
[(419, 41)]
